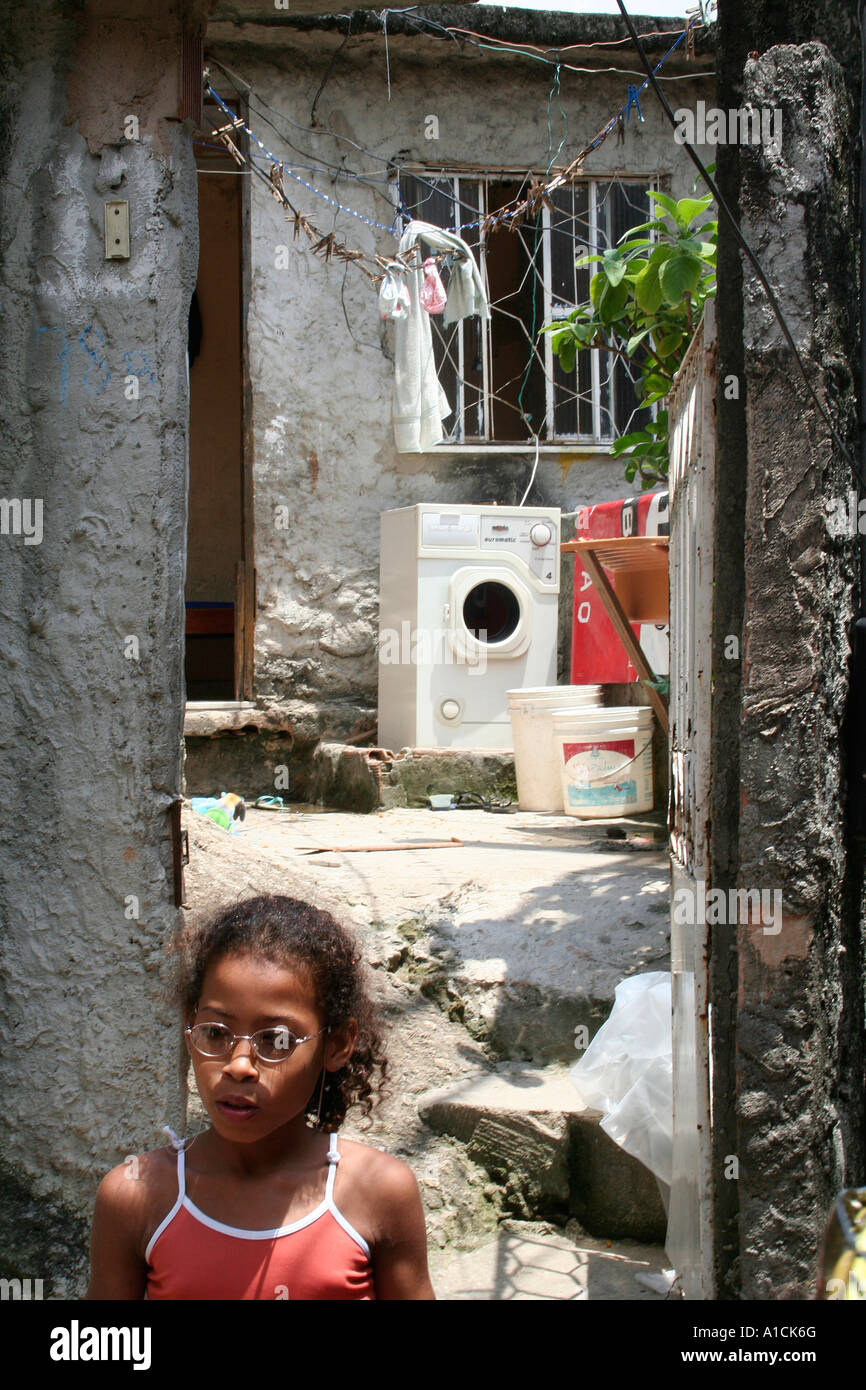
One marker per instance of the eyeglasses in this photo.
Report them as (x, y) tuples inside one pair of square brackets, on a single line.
[(268, 1044)]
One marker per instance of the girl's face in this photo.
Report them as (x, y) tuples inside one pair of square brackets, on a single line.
[(246, 1098)]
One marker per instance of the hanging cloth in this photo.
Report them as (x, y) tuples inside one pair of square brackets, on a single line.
[(432, 291), (466, 294), (419, 403), (393, 294)]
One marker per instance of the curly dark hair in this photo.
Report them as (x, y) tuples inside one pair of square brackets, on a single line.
[(289, 931)]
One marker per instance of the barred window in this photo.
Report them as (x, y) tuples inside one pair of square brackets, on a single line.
[(501, 378)]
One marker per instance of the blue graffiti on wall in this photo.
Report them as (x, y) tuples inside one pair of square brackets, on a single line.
[(97, 374)]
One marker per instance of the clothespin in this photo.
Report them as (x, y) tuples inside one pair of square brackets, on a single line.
[(691, 18), (632, 100), (276, 177), (620, 129)]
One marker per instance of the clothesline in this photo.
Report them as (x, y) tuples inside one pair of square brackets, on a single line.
[(421, 406), (340, 170), (510, 216), (325, 244), (375, 268)]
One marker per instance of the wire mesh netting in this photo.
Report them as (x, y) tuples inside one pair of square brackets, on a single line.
[(502, 378)]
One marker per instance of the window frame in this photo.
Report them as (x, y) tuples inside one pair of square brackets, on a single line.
[(549, 443)]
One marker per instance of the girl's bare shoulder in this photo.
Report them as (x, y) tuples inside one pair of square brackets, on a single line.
[(139, 1192), (378, 1185), (366, 1161)]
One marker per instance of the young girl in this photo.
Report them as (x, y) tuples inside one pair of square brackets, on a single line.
[(268, 1203)]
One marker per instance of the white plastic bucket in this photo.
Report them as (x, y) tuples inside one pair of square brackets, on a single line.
[(604, 760), (538, 782)]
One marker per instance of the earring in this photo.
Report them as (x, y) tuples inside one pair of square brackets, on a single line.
[(321, 1093)]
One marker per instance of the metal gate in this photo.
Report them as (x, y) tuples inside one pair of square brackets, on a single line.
[(692, 502)]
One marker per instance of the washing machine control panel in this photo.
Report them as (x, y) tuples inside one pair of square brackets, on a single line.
[(533, 538)]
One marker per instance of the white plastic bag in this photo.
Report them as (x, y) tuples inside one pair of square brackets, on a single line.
[(626, 1072), (394, 301)]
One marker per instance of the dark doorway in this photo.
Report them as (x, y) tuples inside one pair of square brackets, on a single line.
[(216, 526)]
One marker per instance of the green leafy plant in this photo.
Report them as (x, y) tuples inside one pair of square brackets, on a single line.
[(644, 304)]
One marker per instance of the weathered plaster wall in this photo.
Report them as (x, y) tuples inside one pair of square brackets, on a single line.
[(789, 1015), (90, 738), (321, 360)]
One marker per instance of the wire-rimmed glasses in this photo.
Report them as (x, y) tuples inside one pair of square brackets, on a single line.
[(216, 1041)]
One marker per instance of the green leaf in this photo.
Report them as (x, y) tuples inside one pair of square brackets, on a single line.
[(612, 302), (636, 269), (647, 290), (586, 260), (679, 276), (690, 208), (666, 201), (655, 224), (614, 267), (567, 355), (634, 340), (655, 382), (629, 441), (666, 343), (662, 252)]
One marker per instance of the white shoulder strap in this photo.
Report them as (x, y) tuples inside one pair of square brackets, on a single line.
[(333, 1160), (179, 1146)]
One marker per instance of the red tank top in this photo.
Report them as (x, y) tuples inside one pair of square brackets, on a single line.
[(322, 1256)]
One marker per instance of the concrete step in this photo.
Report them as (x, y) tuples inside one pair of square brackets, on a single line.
[(532, 1132), (363, 779)]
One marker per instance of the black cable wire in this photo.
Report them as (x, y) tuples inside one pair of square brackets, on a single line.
[(331, 67), (317, 161), (425, 26), (759, 269)]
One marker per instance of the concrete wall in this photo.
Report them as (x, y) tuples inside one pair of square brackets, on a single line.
[(321, 361), (788, 1008), (90, 736)]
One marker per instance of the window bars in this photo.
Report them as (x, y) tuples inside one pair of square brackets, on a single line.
[(502, 378)]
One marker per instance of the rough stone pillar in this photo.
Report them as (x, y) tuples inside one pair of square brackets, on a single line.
[(93, 394), (794, 1033)]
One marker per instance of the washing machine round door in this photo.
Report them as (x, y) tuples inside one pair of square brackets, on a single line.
[(491, 612)]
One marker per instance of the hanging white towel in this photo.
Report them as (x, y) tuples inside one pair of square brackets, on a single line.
[(419, 403)]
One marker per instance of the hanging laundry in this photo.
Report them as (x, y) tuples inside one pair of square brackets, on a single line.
[(466, 294), (432, 291), (393, 294), (419, 403)]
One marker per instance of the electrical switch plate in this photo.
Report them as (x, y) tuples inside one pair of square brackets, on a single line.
[(117, 231)]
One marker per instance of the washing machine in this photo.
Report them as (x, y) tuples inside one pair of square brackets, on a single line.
[(468, 606)]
